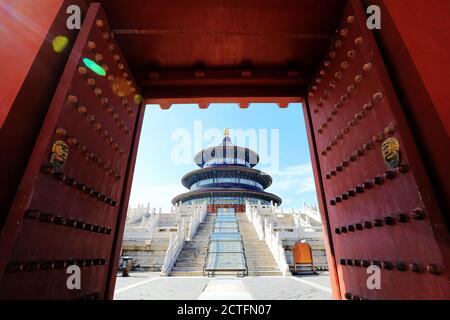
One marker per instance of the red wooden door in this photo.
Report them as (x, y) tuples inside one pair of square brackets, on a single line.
[(71, 205), (377, 203)]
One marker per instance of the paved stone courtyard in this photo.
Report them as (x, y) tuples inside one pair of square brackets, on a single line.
[(150, 286)]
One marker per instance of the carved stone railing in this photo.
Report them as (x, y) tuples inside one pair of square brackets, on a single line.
[(255, 219), (184, 233), (195, 220), (275, 245), (265, 230)]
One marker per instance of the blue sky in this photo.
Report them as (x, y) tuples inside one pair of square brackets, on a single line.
[(171, 138)]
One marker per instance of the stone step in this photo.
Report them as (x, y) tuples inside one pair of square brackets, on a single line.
[(262, 267), (184, 268), (261, 263), (190, 264), (251, 251), (191, 259), (258, 253), (252, 248), (196, 244), (187, 269), (264, 273), (251, 257), (191, 256), (187, 260), (196, 247), (142, 253), (259, 258), (262, 253), (186, 273), (185, 255)]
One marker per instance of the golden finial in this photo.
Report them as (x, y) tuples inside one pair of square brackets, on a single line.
[(226, 132)]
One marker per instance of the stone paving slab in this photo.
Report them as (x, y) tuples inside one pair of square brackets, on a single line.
[(284, 288), (225, 289), (322, 279), (165, 288), (149, 286), (134, 278)]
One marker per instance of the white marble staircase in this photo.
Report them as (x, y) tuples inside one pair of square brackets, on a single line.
[(191, 259), (260, 261)]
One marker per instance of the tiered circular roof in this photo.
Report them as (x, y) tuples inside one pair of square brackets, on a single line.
[(219, 192), (226, 171), (226, 161), (226, 150)]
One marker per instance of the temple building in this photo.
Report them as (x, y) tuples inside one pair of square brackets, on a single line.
[(227, 179), (225, 224)]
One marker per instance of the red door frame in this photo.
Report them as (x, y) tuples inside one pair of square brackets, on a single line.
[(123, 210)]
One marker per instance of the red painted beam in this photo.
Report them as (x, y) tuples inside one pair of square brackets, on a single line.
[(205, 102), (223, 92)]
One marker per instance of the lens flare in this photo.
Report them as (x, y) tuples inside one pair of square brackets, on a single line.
[(59, 43), (138, 98), (121, 87), (94, 67)]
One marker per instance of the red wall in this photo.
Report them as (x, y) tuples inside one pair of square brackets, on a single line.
[(24, 26)]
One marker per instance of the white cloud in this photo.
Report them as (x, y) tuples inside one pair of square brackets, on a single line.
[(159, 196), (295, 170), (297, 179), (289, 183)]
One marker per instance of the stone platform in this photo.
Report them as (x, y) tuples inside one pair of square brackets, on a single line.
[(150, 286)]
